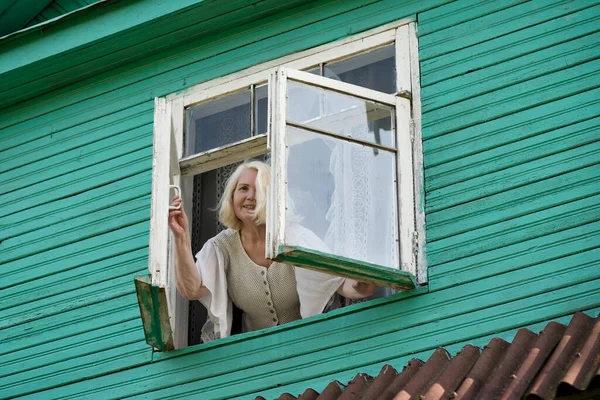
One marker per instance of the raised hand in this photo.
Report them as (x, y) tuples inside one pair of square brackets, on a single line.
[(178, 221)]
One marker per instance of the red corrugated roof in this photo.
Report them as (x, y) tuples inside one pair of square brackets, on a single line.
[(559, 361)]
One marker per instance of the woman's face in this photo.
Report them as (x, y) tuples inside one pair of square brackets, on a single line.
[(244, 196)]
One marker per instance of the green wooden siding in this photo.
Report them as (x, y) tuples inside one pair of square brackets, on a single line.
[(57, 8), (510, 94), (114, 34)]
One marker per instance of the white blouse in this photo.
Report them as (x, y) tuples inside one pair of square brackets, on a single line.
[(314, 288)]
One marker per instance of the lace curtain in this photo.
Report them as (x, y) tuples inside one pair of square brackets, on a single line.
[(362, 212)]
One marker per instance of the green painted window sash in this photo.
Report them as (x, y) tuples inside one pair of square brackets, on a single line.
[(155, 313), (346, 267)]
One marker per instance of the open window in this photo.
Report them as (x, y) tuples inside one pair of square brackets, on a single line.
[(340, 126), (352, 144)]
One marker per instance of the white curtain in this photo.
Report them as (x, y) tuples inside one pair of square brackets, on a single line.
[(362, 214)]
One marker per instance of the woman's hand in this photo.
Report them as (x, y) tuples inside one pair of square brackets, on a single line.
[(352, 289), (187, 277), (364, 289), (178, 219)]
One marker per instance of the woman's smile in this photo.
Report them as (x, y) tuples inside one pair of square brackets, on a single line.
[(244, 196)]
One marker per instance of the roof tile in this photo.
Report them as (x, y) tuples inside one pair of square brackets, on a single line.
[(545, 343), (455, 373), (332, 391), (504, 373), (382, 382), (553, 371), (426, 376), (309, 394), (356, 387), (558, 361), (402, 379), (476, 378)]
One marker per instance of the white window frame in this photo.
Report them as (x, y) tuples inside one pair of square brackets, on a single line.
[(169, 167)]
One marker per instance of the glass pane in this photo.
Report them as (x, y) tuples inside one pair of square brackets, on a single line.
[(341, 198), (374, 70), (339, 113), (261, 104), (217, 123), (314, 70)]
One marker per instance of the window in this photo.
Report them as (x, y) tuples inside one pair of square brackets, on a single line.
[(358, 136), (341, 126)]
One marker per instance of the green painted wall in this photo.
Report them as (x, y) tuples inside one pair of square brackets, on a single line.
[(57, 8), (510, 95)]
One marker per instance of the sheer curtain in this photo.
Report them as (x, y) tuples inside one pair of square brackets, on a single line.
[(362, 214)]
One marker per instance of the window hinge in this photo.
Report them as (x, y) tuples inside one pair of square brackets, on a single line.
[(412, 130), (405, 94), (415, 242)]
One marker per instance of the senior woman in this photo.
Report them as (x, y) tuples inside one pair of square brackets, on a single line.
[(231, 267)]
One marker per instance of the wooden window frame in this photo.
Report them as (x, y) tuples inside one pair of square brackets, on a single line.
[(169, 126), (403, 277)]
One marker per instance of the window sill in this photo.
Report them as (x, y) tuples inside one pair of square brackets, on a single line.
[(158, 356)]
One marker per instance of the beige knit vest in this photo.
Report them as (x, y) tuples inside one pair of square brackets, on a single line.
[(267, 296)]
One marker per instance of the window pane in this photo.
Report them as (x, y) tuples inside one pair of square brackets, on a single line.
[(261, 102), (345, 193), (339, 113), (374, 70), (217, 123), (315, 70)]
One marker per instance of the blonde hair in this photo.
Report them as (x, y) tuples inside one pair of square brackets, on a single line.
[(263, 177)]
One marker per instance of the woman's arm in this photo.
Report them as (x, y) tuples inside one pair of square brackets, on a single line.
[(187, 277), (352, 289)]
